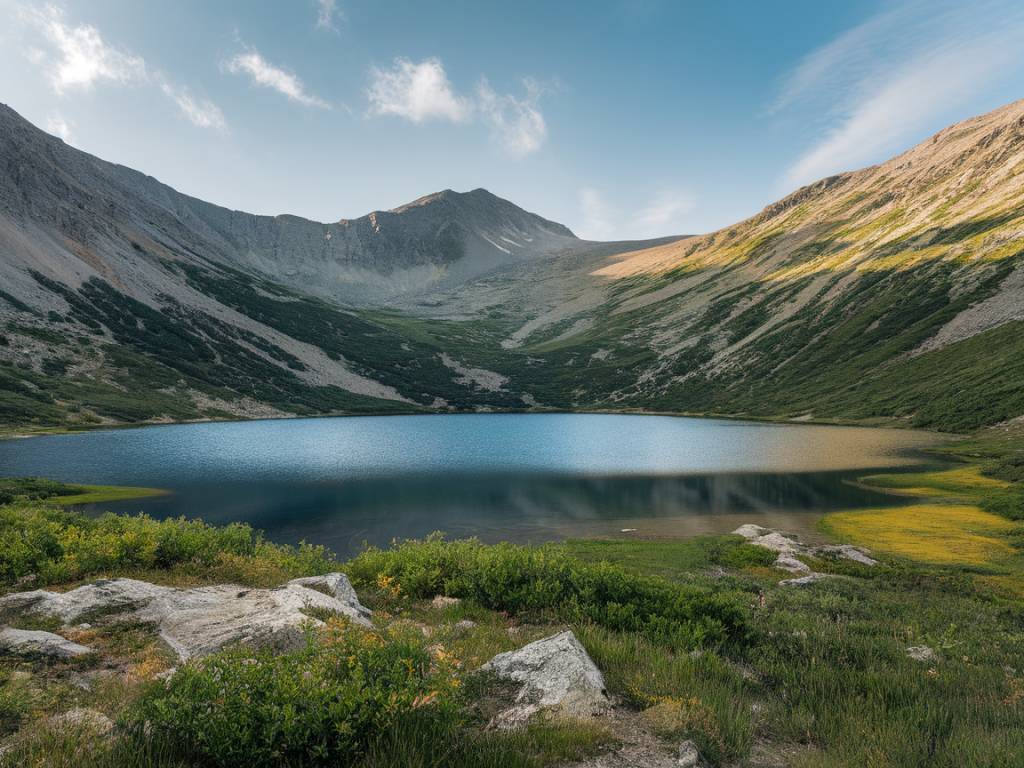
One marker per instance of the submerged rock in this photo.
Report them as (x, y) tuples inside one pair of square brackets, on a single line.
[(554, 673), (200, 621), (25, 642)]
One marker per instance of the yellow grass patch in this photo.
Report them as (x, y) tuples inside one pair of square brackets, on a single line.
[(932, 533), (961, 483)]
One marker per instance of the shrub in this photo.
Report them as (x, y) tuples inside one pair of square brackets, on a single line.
[(56, 545), (545, 581), (322, 705)]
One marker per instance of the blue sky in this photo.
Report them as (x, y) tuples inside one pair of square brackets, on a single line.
[(632, 118)]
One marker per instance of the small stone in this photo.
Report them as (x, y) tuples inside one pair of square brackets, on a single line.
[(85, 719), (921, 653), (789, 563), (24, 642), (465, 625), (443, 601), (689, 756), (803, 581)]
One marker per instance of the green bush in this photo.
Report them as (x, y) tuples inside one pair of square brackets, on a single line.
[(545, 581), (323, 705), (56, 545), (33, 489)]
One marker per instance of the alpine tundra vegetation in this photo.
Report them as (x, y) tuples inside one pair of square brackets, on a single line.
[(888, 635)]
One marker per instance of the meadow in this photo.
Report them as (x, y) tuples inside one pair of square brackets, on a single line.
[(696, 639)]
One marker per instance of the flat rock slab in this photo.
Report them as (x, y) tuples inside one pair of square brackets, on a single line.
[(554, 673), (803, 581), (25, 642), (200, 621), (787, 544)]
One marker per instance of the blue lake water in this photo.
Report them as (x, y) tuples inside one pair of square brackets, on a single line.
[(345, 481)]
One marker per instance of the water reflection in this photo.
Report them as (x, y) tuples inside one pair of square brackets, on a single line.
[(344, 515)]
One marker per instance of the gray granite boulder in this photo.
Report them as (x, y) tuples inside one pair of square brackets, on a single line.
[(25, 642), (553, 674)]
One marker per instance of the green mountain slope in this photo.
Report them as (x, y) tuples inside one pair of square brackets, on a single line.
[(890, 294)]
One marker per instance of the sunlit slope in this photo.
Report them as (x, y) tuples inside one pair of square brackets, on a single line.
[(887, 292)]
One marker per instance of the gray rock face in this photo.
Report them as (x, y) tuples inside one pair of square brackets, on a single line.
[(554, 673), (24, 642), (200, 621)]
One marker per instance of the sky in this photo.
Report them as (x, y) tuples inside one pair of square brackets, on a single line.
[(621, 119)]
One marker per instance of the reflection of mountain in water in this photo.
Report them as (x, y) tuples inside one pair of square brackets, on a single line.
[(343, 515)]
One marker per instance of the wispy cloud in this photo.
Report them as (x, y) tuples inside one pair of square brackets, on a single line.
[(202, 113), (877, 86), (267, 75), (327, 15), (662, 215), (81, 56), (517, 123), (598, 216), (421, 91), (59, 126), (416, 92)]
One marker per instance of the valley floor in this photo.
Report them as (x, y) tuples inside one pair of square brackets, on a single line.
[(914, 661)]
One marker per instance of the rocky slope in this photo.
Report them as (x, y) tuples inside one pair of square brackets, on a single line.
[(893, 292)]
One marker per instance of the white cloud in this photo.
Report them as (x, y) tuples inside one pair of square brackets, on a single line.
[(517, 123), (598, 216), (82, 56), (58, 126), (420, 92), (663, 215), (327, 15), (881, 84), (266, 74), (416, 92), (202, 113)]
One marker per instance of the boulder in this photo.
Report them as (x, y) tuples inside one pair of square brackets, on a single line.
[(689, 756), (846, 552), (24, 642), (789, 563), (922, 653), (105, 595), (554, 673), (83, 719), (443, 601), (337, 585), (196, 622), (803, 581)]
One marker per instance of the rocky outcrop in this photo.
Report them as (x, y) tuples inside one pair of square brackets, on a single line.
[(83, 719), (789, 548), (200, 621), (554, 674), (24, 642)]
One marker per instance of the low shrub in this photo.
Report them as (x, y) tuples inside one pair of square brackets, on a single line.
[(323, 705), (546, 582), (56, 545)]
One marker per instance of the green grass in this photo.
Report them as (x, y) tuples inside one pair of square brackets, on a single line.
[(97, 494)]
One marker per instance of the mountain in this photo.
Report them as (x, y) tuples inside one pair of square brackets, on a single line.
[(890, 294)]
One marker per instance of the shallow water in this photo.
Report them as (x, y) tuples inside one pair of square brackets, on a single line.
[(345, 481)]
